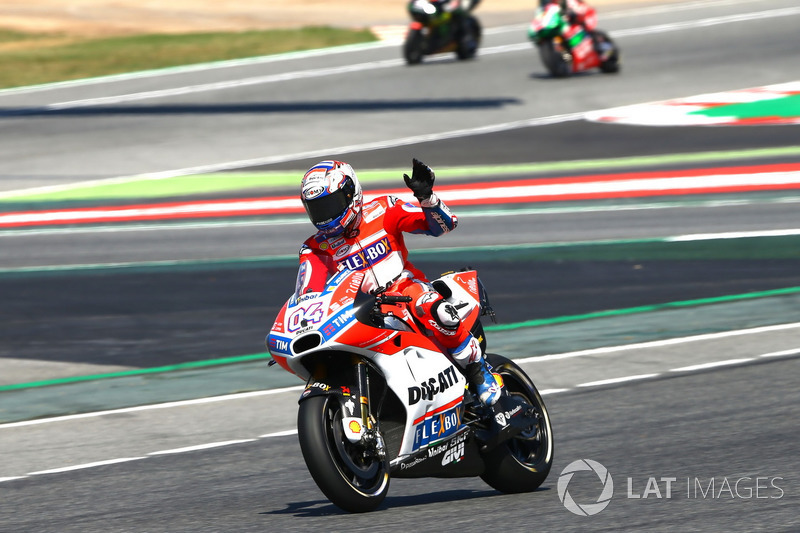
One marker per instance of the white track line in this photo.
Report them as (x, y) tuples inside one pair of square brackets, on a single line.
[(167, 405), (290, 432), (657, 344), (202, 447), (614, 381), (714, 364)]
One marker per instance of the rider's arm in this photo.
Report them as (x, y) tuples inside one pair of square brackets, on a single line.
[(314, 271), (432, 218), (438, 216)]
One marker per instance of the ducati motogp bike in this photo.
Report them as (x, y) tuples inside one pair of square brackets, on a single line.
[(382, 400)]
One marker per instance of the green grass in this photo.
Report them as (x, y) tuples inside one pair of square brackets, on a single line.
[(32, 59)]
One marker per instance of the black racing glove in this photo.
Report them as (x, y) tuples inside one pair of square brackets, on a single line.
[(421, 180)]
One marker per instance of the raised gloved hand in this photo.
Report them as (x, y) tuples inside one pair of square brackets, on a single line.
[(421, 180)]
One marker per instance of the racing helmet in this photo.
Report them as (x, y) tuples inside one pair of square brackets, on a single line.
[(332, 197)]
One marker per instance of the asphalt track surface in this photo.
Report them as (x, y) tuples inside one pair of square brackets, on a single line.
[(727, 422)]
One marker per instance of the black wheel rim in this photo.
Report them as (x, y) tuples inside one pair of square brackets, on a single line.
[(360, 467), (532, 446)]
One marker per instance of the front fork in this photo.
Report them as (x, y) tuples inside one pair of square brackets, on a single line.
[(371, 439), (359, 425)]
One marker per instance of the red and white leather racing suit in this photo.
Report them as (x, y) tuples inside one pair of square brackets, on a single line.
[(377, 247), (581, 13)]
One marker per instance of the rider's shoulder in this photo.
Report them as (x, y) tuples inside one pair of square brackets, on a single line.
[(394, 202), (382, 201), (314, 241)]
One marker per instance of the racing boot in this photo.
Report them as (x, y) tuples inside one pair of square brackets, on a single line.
[(479, 376)]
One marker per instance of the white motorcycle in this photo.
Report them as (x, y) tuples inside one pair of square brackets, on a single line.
[(382, 400)]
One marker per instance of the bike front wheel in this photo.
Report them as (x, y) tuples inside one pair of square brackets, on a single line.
[(352, 477)]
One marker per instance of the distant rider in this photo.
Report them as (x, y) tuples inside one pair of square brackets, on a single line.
[(459, 10), (578, 12), (369, 238)]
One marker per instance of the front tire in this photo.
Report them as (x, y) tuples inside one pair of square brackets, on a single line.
[(554, 59), (414, 47), (350, 476), (523, 463)]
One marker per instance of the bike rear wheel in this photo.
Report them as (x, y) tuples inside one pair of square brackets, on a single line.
[(611, 64), (352, 477), (523, 463), (468, 43)]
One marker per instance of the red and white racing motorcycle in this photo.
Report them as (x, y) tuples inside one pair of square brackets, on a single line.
[(383, 401)]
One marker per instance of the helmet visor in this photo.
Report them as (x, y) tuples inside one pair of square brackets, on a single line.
[(327, 208)]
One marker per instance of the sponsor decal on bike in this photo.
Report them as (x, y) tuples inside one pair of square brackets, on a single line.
[(278, 344), (437, 424), (370, 255), (501, 419), (303, 317), (504, 417), (449, 445), (415, 462), (430, 387), (337, 322), (354, 426), (471, 283), (454, 455)]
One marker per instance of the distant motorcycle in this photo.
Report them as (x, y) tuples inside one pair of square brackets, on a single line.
[(441, 26), (382, 400), (567, 47)]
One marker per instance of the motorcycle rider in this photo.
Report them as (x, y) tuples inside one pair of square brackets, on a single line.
[(459, 11), (578, 12), (369, 237)]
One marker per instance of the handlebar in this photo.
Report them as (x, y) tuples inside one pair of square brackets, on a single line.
[(388, 299)]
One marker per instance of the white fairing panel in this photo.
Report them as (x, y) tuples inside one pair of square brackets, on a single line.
[(432, 388)]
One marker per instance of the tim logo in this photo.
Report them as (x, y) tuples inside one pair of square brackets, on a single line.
[(278, 344), (370, 255)]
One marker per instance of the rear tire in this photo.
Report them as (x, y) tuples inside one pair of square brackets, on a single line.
[(523, 463), (468, 43), (610, 65), (350, 479)]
